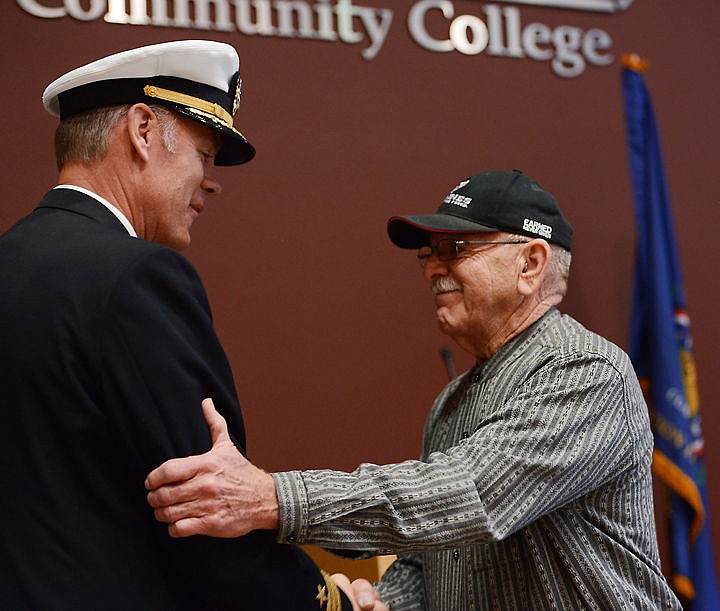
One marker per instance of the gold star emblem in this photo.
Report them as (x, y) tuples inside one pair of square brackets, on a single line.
[(321, 595)]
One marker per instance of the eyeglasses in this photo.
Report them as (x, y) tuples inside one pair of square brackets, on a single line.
[(450, 249)]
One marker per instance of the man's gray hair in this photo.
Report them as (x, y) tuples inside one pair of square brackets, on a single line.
[(85, 137), (558, 271)]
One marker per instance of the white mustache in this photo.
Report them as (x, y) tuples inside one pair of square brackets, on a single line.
[(443, 284)]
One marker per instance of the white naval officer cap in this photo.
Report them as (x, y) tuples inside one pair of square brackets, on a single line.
[(196, 78)]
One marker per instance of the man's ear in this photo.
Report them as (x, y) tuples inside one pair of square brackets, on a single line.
[(532, 266), (142, 125)]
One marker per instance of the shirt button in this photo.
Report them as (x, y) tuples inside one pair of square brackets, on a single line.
[(292, 538), (456, 555), (465, 435)]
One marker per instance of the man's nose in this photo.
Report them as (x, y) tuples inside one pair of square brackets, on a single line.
[(211, 185), (434, 267)]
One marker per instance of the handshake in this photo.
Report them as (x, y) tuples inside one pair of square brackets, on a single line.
[(222, 494)]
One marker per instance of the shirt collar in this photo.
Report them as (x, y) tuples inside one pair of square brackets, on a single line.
[(120, 216)]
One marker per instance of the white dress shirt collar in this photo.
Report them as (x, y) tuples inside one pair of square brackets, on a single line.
[(120, 216)]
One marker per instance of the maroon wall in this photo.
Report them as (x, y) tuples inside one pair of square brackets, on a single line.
[(329, 328)]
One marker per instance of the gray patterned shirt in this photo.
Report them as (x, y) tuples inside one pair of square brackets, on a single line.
[(533, 490)]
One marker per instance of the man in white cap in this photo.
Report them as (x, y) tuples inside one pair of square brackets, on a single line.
[(107, 347), (533, 490)]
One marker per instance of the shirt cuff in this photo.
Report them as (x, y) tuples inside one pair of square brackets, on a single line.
[(292, 506)]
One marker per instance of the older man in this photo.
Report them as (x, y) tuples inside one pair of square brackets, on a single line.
[(533, 490), (107, 346)]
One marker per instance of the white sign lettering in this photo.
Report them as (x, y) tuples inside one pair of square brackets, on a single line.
[(569, 48), (492, 29)]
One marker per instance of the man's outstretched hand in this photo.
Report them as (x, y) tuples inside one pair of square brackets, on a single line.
[(219, 493)]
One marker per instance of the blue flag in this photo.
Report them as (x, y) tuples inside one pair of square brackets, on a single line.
[(661, 352)]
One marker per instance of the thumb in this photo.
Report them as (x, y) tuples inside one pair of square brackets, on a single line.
[(216, 423)]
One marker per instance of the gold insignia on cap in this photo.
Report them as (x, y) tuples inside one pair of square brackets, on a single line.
[(238, 93), (198, 104)]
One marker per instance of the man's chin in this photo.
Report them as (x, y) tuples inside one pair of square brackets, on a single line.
[(443, 324)]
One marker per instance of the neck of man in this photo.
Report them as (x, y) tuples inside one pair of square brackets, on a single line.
[(95, 178), (514, 325)]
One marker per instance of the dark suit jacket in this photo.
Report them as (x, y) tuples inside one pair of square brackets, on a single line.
[(106, 350)]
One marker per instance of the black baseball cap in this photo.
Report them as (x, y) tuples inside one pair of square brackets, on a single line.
[(506, 201)]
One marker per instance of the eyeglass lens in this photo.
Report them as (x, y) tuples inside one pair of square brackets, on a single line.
[(447, 250)]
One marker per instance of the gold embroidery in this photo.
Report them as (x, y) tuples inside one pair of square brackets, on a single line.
[(238, 93), (322, 595), (334, 600), (203, 106)]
